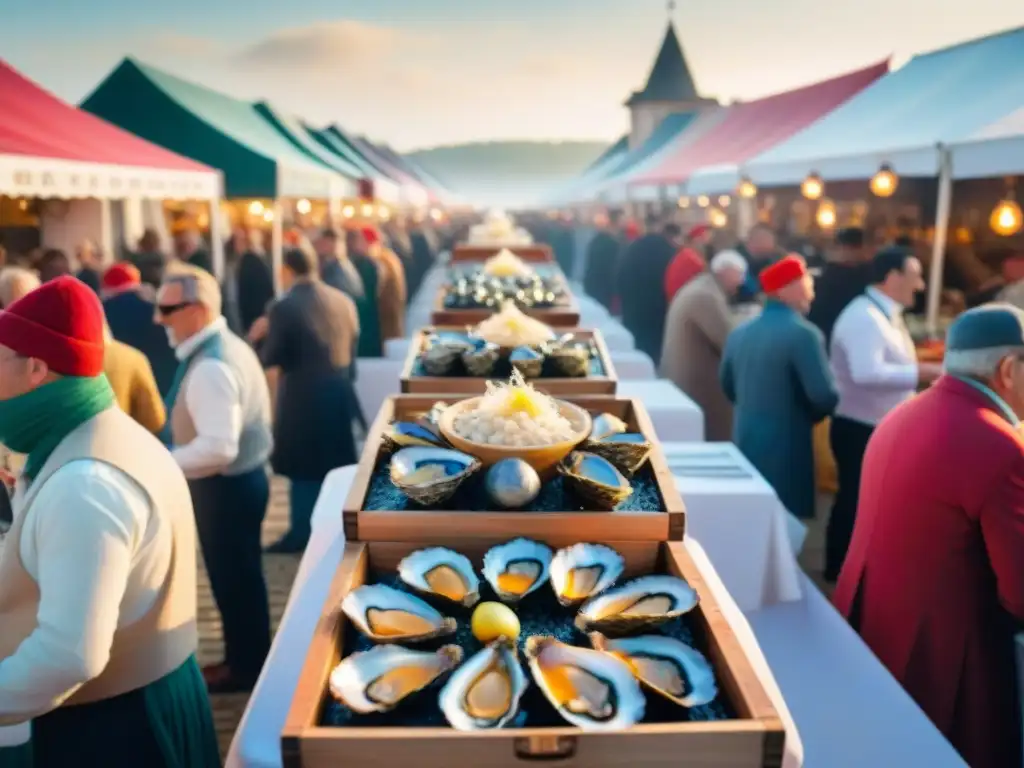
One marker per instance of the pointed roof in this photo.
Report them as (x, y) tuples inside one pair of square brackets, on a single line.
[(670, 78)]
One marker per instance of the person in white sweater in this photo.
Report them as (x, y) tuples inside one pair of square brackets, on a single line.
[(97, 572)]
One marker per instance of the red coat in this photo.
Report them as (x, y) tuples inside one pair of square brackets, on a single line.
[(935, 572), (685, 266)]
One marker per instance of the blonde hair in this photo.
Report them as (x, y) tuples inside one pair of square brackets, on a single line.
[(15, 282), (197, 285)]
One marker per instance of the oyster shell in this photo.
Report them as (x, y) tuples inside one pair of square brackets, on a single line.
[(643, 603), (529, 362), (517, 568), (378, 680), (628, 451), (485, 691), (569, 361), (607, 424), (593, 690), (584, 570), (406, 434), (387, 615), (432, 417), (440, 356), (595, 479), (441, 572), (665, 665), (480, 360), (431, 475)]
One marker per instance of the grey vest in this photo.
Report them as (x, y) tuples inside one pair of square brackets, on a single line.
[(256, 440)]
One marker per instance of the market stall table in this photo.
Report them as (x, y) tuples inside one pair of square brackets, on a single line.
[(736, 516), (633, 364), (257, 741), (675, 416), (616, 336)]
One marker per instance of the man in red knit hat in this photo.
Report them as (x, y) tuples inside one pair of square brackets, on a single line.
[(97, 572), (776, 374)]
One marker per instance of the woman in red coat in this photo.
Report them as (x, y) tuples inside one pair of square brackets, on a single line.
[(934, 579), (689, 261)]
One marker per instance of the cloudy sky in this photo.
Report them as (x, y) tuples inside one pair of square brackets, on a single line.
[(421, 73)]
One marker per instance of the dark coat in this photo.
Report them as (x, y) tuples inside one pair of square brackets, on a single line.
[(641, 282), (255, 284), (312, 337), (371, 343), (934, 578), (151, 267), (601, 263), (201, 259), (837, 286), (90, 277), (422, 260), (130, 317), (776, 374)]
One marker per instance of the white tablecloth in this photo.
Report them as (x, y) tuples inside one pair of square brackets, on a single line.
[(632, 364), (675, 416), (376, 379), (736, 516), (616, 337), (257, 741)]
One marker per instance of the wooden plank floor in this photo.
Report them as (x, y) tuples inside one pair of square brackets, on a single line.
[(280, 571)]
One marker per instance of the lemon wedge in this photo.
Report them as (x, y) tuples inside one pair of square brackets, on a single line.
[(521, 400)]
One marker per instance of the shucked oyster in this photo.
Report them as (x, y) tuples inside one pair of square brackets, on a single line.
[(628, 451), (571, 361), (440, 357), (516, 568), (442, 572), (607, 424), (485, 691), (639, 604), (431, 475), (387, 615), (583, 570), (593, 690), (528, 361), (406, 434), (595, 479), (481, 359), (665, 665), (378, 679)]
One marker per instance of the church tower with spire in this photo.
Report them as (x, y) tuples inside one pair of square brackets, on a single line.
[(670, 88)]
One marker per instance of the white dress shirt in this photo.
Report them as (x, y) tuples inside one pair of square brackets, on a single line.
[(214, 401), (872, 358), (89, 537)]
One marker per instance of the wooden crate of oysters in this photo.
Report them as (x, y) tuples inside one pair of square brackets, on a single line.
[(538, 253), (451, 359), (541, 292), (505, 651), (513, 459)]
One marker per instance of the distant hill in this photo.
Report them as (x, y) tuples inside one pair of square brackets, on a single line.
[(508, 173)]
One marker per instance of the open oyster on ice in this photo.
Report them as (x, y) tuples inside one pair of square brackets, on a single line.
[(516, 568), (595, 479), (627, 451), (583, 570), (409, 434), (593, 690), (387, 615), (431, 475), (485, 691), (665, 665), (441, 572), (639, 604), (378, 680)]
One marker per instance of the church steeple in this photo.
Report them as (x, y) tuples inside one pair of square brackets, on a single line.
[(670, 78)]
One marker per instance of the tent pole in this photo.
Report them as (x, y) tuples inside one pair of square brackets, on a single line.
[(942, 213), (277, 244), (216, 237)]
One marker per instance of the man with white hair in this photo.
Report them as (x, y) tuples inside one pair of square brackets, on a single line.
[(219, 412), (15, 282), (698, 323), (934, 578)]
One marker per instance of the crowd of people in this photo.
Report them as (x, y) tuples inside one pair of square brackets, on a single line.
[(925, 531), (139, 418)]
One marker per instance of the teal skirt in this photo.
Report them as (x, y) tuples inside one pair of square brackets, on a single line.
[(167, 724)]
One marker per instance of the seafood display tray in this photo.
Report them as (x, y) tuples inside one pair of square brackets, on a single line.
[(533, 254), (740, 729), (564, 315), (601, 381), (376, 511)]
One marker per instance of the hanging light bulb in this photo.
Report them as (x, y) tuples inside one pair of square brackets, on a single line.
[(724, 201), (684, 202), (746, 188), (717, 218), (348, 211), (256, 208), (813, 187), (367, 210), (268, 215), (1006, 218), (303, 206), (703, 201), (383, 212), (884, 183), (826, 215)]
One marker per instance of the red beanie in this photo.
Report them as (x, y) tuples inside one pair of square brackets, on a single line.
[(121, 275), (783, 272), (60, 323), (698, 231), (370, 235)]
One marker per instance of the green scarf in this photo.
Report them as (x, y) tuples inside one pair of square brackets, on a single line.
[(36, 422)]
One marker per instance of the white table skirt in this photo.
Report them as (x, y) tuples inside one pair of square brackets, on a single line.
[(738, 519), (616, 337), (14, 735), (675, 416), (257, 741)]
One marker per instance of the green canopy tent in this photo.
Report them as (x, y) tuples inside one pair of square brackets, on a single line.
[(384, 187)]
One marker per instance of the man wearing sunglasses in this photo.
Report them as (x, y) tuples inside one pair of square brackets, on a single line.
[(219, 412)]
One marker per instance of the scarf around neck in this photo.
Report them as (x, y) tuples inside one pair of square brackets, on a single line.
[(36, 422)]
